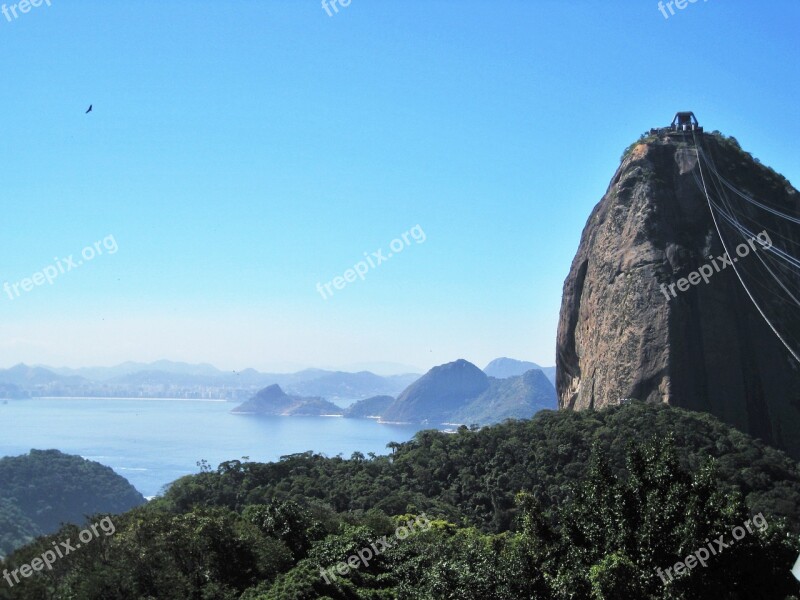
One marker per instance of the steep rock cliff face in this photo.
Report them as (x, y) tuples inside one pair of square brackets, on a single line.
[(706, 349)]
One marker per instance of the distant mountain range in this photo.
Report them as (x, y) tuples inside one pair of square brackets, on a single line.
[(501, 368), (174, 379), (129, 368), (168, 379), (455, 393), (24, 376)]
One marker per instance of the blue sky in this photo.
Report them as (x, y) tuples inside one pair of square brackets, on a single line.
[(239, 153)]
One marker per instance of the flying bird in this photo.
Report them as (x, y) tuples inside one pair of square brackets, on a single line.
[(88, 110)]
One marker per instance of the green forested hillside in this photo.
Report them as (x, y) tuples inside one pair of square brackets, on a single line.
[(474, 475), (45, 488), (565, 506)]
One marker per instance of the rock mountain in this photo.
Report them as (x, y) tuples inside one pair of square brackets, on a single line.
[(707, 349), (459, 392), (272, 400), (454, 393)]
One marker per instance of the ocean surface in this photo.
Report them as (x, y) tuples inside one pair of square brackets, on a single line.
[(153, 442)]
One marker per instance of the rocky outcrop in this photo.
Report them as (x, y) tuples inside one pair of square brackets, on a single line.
[(273, 401), (621, 336)]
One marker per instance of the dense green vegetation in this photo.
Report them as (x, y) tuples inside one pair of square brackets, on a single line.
[(45, 488), (473, 476), (16, 529), (564, 506), (645, 138)]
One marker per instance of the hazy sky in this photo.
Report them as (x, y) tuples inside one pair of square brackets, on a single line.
[(240, 153)]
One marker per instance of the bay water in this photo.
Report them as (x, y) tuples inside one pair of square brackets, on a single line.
[(153, 442)]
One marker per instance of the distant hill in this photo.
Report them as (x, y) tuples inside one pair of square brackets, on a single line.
[(511, 398), (164, 378), (459, 392), (312, 407), (501, 368), (370, 407), (380, 368), (352, 385), (156, 377), (42, 489), (128, 368), (438, 394), (272, 400), (24, 376)]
